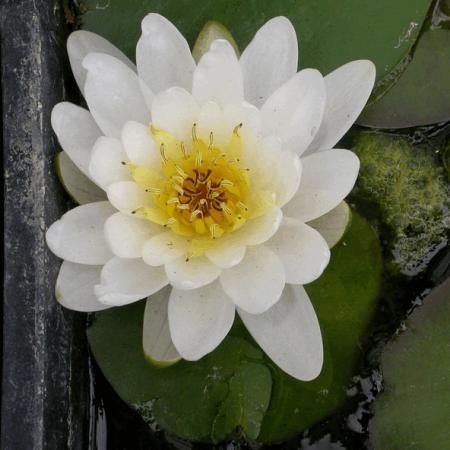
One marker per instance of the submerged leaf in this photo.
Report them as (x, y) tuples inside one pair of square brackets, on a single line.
[(422, 94), (413, 411)]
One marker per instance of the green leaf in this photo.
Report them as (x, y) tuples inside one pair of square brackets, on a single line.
[(330, 33), (80, 188), (237, 386), (246, 403), (422, 94), (413, 411)]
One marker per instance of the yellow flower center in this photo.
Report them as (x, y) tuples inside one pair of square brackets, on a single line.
[(201, 192)]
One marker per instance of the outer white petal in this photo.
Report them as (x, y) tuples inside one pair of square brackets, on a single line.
[(156, 340), (80, 43), (289, 334), (124, 281), (269, 60), (302, 250), (127, 196), (286, 175), (113, 93), (294, 111), (327, 178), (126, 235), (226, 254), (75, 287), (163, 247), (139, 145), (163, 56), (175, 110), (333, 224), (199, 319), (348, 89), (191, 274), (78, 235), (218, 76), (76, 131), (106, 166), (257, 282)]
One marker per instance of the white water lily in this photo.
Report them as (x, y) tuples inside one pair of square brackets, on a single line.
[(208, 186)]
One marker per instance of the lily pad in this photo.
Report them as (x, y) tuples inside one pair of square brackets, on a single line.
[(237, 387), (422, 94), (80, 188), (330, 33), (413, 412)]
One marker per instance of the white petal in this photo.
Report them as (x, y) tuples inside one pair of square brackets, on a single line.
[(175, 110), (327, 178), (218, 76), (333, 224), (76, 131), (211, 120), (246, 115), (259, 230), (191, 274), (113, 94), (286, 174), (269, 60), (127, 196), (78, 235), (302, 250), (106, 165), (289, 334), (199, 319), (75, 287), (126, 235), (163, 247), (80, 43), (257, 282), (139, 145), (163, 56), (348, 89), (123, 281), (156, 340), (294, 111), (226, 254)]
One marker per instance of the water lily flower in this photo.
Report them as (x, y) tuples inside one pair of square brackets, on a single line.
[(220, 179)]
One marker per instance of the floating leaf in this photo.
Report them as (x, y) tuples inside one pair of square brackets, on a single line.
[(237, 386), (413, 412), (80, 188), (422, 94), (330, 33)]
